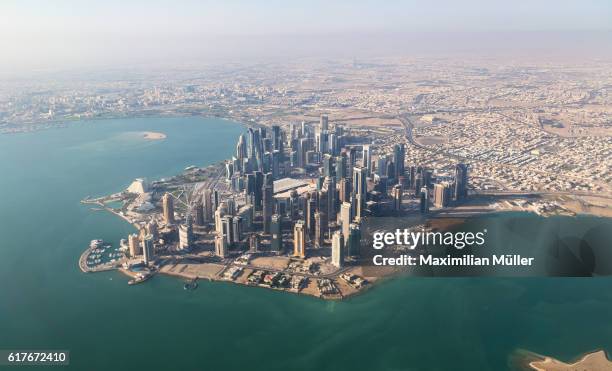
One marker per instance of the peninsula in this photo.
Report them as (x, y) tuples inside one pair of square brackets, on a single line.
[(286, 212)]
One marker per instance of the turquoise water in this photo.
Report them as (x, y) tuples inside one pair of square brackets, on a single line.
[(403, 324)]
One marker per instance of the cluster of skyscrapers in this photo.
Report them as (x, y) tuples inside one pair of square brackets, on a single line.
[(326, 182)]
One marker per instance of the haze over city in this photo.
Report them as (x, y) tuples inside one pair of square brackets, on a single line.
[(66, 34)]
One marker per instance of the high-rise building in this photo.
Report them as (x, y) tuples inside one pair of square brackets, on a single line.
[(328, 165), (461, 181), (268, 207), (151, 229), (207, 206), (185, 236), (346, 218), (276, 232), (241, 148), (360, 190), (294, 205), (168, 208), (354, 239), (277, 140), (324, 123), (147, 249), (340, 168), (330, 208), (221, 246), (337, 249), (366, 158), (397, 197), (134, 245), (320, 228), (253, 242), (424, 197), (399, 155), (198, 210), (228, 228), (441, 194), (381, 165), (236, 229), (345, 190), (311, 206), (299, 239)]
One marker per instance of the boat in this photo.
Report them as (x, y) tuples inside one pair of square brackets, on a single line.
[(191, 285), (139, 278)]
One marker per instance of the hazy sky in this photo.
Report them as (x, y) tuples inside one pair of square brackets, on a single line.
[(72, 33)]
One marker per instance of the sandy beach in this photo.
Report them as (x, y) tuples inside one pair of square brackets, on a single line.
[(151, 135), (595, 361)]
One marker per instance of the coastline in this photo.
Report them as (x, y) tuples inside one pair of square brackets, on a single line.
[(594, 360)]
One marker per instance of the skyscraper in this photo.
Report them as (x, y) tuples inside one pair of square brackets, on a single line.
[(299, 239), (461, 181), (345, 190), (399, 155), (441, 194), (221, 245), (367, 158), (320, 228), (134, 245), (397, 197), (424, 198), (360, 190), (168, 208), (340, 168), (185, 236), (207, 206), (275, 231), (324, 123), (354, 239), (311, 206), (241, 148), (268, 207), (337, 249), (147, 249), (346, 218), (198, 214)]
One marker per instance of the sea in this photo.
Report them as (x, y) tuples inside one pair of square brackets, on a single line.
[(404, 323)]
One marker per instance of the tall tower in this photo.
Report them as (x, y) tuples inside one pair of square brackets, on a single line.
[(198, 214), (276, 232), (134, 245), (320, 228), (168, 208), (397, 197), (367, 158), (424, 206), (461, 181), (346, 218), (221, 245), (147, 249), (360, 190), (299, 239), (441, 194), (324, 123), (268, 207), (399, 154), (337, 249), (354, 239), (207, 206), (241, 148), (185, 235)]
